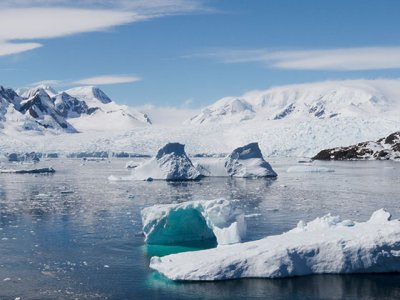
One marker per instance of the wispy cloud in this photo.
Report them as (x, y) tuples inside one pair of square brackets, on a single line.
[(339, 59), (50, 82), (107, 79), (7, 48), (23, 22)]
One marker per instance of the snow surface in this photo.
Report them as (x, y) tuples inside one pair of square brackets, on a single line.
[(325, 245), (108, 115), (246, 161), (322, 100), (218, 219), (171, 163), (366, 110)]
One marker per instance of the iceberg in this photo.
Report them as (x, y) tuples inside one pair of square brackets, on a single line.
[(169, 224), (246, 162), (325, 245), (171, 163)]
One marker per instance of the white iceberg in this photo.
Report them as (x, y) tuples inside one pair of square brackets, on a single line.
[(325, 245), (219, 219), (171, 163), (246, 161)]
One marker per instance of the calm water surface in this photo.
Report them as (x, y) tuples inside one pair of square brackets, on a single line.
[(75, 235)]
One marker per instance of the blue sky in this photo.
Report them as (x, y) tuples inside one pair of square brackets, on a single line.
[(192, 52)]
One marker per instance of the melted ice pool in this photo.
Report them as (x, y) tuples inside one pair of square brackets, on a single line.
[(74, 234)]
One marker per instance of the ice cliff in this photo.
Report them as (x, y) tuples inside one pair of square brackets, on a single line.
[(218, 219)]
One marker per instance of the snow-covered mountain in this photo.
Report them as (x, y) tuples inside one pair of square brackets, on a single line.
[(41, 107), (104, 114), (10, 116), (70, 107), (81, 109), (90, 94), (324, 100), (297, 120)]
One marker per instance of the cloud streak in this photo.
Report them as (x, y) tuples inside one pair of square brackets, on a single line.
[(50, 82), (23, 22), (107, 79), (340, 59)]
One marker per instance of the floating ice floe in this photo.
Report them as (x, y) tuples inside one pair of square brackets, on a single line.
[(131, 164), (28, 171), (168, 224), (308, 169), (325, 245), (171, 163), (246, 161)]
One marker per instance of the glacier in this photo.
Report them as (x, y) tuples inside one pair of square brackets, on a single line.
[(245, 162), (171, 224), (171, 163), (325, 245)]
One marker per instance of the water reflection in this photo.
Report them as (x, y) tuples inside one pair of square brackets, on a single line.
[(366, 286)]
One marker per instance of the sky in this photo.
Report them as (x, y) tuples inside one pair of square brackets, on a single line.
[(190, 53)]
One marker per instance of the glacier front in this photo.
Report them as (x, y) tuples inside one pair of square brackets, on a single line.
[(219, 219), (325, 245)]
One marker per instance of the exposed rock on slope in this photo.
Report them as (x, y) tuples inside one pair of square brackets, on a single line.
[(384, 148), (70, 107), (41, 107)]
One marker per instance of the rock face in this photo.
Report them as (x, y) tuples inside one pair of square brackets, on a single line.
[(246, 162), (171, 163), (41, 107), (70, 107), (325, 245), (172, 224), (382, 149)]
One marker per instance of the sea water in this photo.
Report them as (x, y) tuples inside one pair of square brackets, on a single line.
[(77, 235)]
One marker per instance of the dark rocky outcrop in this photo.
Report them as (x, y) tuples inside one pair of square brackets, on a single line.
[(383, 149)]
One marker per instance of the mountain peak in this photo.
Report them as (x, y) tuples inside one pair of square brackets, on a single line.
[(89, 94)]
